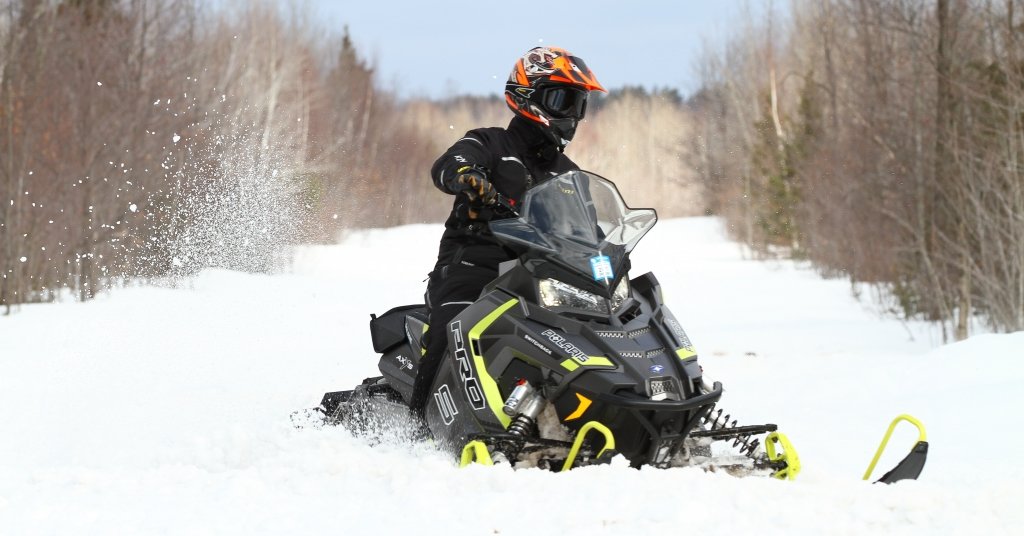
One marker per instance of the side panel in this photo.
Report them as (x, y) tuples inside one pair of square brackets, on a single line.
[(400, 363), (465, 399), (449, 415), (399, 367)]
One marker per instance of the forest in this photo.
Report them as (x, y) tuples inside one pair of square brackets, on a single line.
[(141, 139), (882, 140), (879, 140)]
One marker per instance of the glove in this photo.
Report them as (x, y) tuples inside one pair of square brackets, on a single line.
[(474, 183)]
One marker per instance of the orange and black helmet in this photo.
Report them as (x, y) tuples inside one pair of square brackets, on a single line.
[(550, 86)]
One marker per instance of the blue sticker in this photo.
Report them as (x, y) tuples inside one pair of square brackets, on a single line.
[(601, 266), (657, 368)]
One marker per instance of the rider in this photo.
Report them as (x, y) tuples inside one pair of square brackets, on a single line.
[(547, 91)]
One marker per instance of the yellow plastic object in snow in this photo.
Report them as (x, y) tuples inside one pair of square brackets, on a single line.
[(609, 442), (788, 455), (921, 438), (475, 451)]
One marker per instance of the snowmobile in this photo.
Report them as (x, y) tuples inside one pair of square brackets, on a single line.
[(564, 360)]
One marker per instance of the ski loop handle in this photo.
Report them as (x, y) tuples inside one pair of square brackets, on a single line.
[(609, 442), (911, 466), (787, 457), (475, 451)]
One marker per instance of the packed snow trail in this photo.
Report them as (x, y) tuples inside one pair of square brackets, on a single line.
[(156, 410)]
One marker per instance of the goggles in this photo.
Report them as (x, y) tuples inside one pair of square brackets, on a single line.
[(565, 101)]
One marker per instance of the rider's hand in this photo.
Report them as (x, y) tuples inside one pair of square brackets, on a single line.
[(474, 183)]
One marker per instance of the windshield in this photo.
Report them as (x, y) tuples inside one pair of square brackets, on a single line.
[(581, 219)]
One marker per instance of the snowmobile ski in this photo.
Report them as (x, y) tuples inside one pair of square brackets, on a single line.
[(911, 466)]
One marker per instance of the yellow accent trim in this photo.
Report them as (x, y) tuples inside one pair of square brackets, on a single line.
[(686, 353), (592, 361), (491, 392), (609, 442), (788, 455), (476, 451), (584, 404), (598, 361), (878, 454)]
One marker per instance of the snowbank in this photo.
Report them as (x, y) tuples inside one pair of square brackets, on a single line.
[(155, 410)]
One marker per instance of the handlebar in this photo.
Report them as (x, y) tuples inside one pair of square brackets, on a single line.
[(506, 204)]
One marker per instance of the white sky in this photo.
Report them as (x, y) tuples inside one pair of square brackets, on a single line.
[(445, 47)]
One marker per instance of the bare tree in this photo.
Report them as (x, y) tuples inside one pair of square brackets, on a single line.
[(913, 161)]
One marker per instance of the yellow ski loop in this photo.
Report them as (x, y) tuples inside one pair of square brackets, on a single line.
[(788, 455), (921, 437), (475, 451), (609, 442)]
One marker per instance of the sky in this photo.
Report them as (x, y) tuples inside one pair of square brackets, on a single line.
[(445, 47)]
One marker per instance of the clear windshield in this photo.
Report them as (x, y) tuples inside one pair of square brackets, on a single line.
[(580, 218)]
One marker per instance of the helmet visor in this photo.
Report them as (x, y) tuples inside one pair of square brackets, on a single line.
[(565, 101)]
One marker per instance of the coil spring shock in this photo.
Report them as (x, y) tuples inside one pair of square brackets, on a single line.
[(744, 442), (521, 426), (519, 430)]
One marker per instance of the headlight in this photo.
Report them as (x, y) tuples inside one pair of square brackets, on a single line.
[(620, 294), (554, 293)]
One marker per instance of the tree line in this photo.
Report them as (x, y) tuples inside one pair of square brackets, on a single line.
[(144, 139), (883, 141)]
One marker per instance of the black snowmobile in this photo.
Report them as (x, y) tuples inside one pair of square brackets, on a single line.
[(563, 360)]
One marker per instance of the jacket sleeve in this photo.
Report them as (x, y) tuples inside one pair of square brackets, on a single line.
[(470, 150)]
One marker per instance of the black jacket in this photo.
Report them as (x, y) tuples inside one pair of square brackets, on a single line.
[(514, 159)]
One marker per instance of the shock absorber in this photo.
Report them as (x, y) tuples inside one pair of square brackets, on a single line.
[(745, 442), (748, 445), (521, 426), (524, 404), (715, 421), (522, 391)]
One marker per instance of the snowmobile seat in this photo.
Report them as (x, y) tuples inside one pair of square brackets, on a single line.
[(388, 330)]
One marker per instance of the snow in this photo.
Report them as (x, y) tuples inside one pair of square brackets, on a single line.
[(166, 410)]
